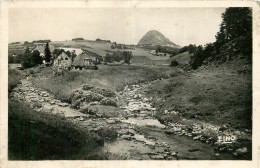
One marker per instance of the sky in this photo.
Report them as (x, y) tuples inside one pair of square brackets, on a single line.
[(183, 26)]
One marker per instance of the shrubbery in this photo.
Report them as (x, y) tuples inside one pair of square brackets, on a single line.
[(118, 56), (29, 59), (234, 37), (14, 77), (174, 63)]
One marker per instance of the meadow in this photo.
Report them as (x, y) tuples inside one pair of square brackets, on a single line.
[(114, 78)]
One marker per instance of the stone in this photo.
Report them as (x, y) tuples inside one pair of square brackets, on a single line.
[(63, 104), (237, 133), (174, 154), (241, 151), (131, 132), (135, 96), (110, 121), (150, 143), (157, 157), (126, 137), (193, 150), (87, 87), (52, 102), (217, 154)]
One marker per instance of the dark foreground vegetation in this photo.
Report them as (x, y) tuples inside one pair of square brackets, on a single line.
[(35, 136), (14, 78)]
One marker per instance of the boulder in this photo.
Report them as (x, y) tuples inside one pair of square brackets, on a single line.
[(87, 87), (126, 137), (108, 102), (174, 154), (217, 154), (241, 151), (52, 102), (63, 104), (109, 121), (157, 157)]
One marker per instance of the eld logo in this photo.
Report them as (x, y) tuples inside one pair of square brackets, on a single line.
[(227, 138)]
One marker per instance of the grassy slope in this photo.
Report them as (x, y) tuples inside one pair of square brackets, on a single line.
[(109, 77), (30, 132), (182, 59), (218, 94), (14, 77), (39, 136)]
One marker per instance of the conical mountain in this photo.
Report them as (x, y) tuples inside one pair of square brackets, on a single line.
[(154, 37)]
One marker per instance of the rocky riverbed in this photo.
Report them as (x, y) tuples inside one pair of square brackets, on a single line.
[(140, 135)]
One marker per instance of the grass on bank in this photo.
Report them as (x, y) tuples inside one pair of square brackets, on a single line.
[(14, 78), (109, 77), (221, 95), (39, 136)]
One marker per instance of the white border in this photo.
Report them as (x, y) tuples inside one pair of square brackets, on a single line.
[(125, 4)]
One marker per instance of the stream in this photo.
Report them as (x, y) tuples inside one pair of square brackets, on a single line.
[(140, 135), (146, 139)]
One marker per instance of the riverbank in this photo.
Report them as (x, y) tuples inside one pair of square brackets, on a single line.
[(219, 97), (128, 124)]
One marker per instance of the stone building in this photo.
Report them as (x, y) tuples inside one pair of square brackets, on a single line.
[(85, 61), (61, 64)]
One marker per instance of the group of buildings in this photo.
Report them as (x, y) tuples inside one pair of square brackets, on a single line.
[(63, 63)]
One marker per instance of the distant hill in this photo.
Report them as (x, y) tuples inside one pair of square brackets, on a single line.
[(154, 37)]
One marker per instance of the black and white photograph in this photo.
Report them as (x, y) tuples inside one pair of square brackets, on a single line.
[(129, 83)]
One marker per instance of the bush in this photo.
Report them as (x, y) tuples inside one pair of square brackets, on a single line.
[(118, 56), (174, 63)]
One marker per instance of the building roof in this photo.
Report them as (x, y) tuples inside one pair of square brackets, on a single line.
[(79, 60), (77, 50), (41, 48), (62, 56)]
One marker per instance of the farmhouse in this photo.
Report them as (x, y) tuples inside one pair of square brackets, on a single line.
[(61, 64), (77, 51), (41, 47), (85, 61)]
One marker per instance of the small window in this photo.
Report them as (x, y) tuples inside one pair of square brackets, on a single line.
[(66, 58)]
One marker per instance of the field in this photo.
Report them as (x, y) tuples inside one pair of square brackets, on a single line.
[(141, 56)]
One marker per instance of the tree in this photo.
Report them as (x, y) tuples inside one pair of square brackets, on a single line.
[(27, 59), (37, 58), (235, 22), (47, 53), (127, 56), (158, 49), (73, 55), (174, 63), (108, 58)]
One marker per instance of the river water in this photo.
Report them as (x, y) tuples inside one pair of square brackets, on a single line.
[(140, 135), (147, 140)]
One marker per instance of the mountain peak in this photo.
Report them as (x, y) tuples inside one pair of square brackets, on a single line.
[(154, 37)]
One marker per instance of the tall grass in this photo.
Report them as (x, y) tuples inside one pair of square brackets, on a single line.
[(14, 77), (109, 77), (39, 136)]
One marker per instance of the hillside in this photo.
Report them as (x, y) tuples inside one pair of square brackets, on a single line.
[(154, 37), (183, 58), (199, 94)]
